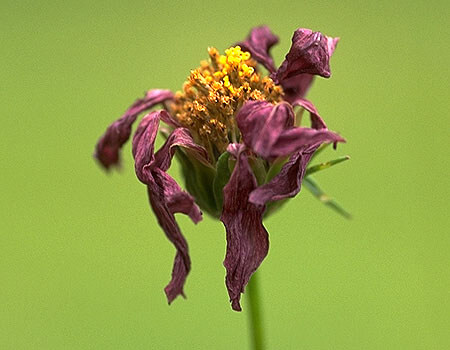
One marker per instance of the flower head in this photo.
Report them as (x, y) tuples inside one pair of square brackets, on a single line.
[(239, 142)]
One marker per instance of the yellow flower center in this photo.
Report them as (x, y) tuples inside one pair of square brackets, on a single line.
[(214, 93)]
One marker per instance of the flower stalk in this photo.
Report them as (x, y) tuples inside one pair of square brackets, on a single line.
[(255, 317)]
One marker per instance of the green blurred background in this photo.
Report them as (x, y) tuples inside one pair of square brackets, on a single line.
[(83, 262)]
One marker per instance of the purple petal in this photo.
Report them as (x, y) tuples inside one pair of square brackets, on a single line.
[(261, 124), (287, 183), (258, 43), (299, 139), (179, 201), (247, 239), (166, 197), (310, 53), (108, 147), (144, 143), (316, 120), (268, 129), (157, 187), (332, 43), (180, 137), (297, 86)]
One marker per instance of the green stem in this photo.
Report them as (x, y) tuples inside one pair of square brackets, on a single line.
[(255, 313)]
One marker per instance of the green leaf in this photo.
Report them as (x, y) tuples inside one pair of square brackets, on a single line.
[(315, 168), (313, 186), (223, 174)]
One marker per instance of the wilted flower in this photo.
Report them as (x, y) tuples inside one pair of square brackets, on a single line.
[(240, 144)]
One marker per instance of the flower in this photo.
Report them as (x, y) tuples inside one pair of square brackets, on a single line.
[(239, 142)]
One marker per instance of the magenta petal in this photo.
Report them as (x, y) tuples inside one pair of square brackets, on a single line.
[(144, 142), (331, 44), (247, 239), (108, 147), (280, 118), (166, 197), (268, 129), (179, 201), (298, 139), (310, 53), (287, 183), (316, 120), (297, 86), (261, 124), (182, 264), (180, 137), (258, 43)]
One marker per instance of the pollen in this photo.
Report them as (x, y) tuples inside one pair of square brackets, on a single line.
[(214, 93)]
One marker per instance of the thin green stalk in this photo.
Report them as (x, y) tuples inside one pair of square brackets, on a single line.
[(255, 314)]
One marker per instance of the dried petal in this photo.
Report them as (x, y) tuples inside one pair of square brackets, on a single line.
[(316, 120), (157, 188), (258, 43), (261, 124), (108, 147), (247, 239), (180, 137), (166, 197), (286, 183), (177, 200), (298, 85), (299, 139), (268, 130), (310, 53)]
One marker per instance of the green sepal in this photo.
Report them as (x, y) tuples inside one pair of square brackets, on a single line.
[(314, 188), (258, 168), (315, 168), (199, 182), (275, 168), (223, 173)]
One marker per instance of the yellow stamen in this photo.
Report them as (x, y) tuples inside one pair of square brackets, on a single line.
[(215, 91)]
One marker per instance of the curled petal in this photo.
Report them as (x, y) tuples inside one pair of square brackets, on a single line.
[(258, 43), (180, 137), (156, 188), (300, 139), (297, 86), (166, 197), (316, 120), (247, 239), (287, 183), (261, 124), (268, 129), (144, 144), (310, 53), (182, 202), (108, 147), (332, 43)]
